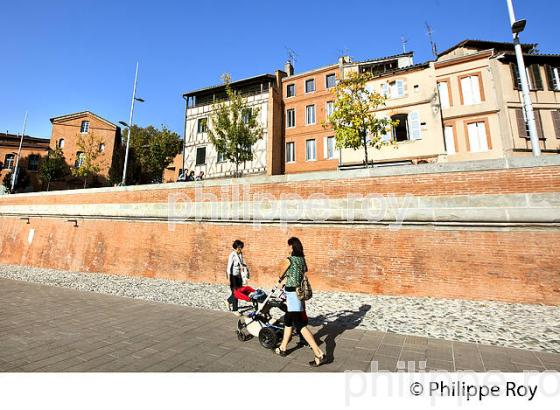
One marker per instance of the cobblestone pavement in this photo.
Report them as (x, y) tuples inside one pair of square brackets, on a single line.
[(53, 329), (534, 327)]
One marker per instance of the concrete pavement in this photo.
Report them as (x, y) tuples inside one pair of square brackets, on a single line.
[(51, 329)]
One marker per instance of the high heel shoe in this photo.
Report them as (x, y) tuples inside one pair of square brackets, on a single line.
[(322, 361)]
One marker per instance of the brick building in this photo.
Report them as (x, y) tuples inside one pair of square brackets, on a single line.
[(32, 150), (66, 129), (308, 100)]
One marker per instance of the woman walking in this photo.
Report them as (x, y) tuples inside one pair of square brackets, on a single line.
[(293, 272), (234, 270)]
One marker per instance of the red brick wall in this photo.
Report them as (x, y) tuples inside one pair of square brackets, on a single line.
[(514, 266), (507, 181)]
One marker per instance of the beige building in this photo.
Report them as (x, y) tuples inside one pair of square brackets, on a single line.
[(481, 100), (412, 100)]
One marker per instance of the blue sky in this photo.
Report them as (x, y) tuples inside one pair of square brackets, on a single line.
[(63, 56)]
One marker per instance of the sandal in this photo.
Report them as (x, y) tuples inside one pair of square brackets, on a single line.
[(280, 352), (322, 361)]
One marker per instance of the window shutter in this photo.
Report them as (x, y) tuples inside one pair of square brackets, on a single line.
[(556, 122), (538, 122), (414, 126), (400, 88), (515, 76), (384, 89), (549, 77), (521, 125), (536, 74)]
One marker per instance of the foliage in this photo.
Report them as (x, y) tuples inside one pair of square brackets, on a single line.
[(354, 119), (89, 145), (151, 151), (21, 183), (53, 167), (234, 127)]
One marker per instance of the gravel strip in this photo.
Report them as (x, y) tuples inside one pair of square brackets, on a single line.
[(535, 327)]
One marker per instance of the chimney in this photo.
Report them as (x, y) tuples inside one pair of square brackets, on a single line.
[(289, 68)]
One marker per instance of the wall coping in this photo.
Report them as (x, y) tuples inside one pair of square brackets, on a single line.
[(380, 171)]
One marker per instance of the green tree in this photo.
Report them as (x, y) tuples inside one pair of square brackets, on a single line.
[(86, 163), (53, 167), (234, 127), (354, 118), (151, 151), (21, 183)]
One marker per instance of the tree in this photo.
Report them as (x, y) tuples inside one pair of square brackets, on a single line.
[(151, 151), (21, 183), (89, 150), (53, 167), (234, 127), (354, 118)]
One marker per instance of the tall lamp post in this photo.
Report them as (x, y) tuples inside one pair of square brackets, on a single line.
[(14, 175), (517, 26), (129, 125)]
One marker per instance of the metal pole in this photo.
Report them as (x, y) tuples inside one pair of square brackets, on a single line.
[(527, 105), (130, 125), (185, 139), (14, 175)]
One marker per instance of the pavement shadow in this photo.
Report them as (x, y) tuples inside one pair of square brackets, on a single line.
[(331, 329)]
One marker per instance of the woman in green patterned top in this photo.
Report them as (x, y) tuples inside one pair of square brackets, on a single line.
[(294, 269)]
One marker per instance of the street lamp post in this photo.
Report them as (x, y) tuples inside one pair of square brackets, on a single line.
[(517, 26), (14, 175), (129, 125)]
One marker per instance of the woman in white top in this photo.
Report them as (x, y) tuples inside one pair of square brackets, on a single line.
[(234, 269)]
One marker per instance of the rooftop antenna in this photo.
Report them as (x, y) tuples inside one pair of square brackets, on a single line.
[(430, 32), (404, 42), (291, 55)]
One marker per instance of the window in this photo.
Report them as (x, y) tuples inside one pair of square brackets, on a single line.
[(477, 137), (408, 127), (202, 125), (201, 156), (310, 150), (556, 122), (247, 113), (9, 161), (291, 118), (60, 143), (330, 108), (443, 89), (310, 86), (80, 158), (523, 125), (101, 147), (290, 152), (330, 80), (553, 77), (290, 90), (84, 128), (470, 88), (450, 140), (310, 114), (396, 88), (329, 147), (33, 163), (221, 157)]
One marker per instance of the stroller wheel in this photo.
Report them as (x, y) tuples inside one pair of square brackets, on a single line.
[(268, 338)]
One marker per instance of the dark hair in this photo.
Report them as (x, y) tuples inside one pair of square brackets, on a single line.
[(238, 244), (297, 247)]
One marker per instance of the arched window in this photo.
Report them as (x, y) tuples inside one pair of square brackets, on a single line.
[(9, 161), (60, 143)]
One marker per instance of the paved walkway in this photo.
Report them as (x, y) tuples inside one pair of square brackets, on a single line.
[(50, 329)]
